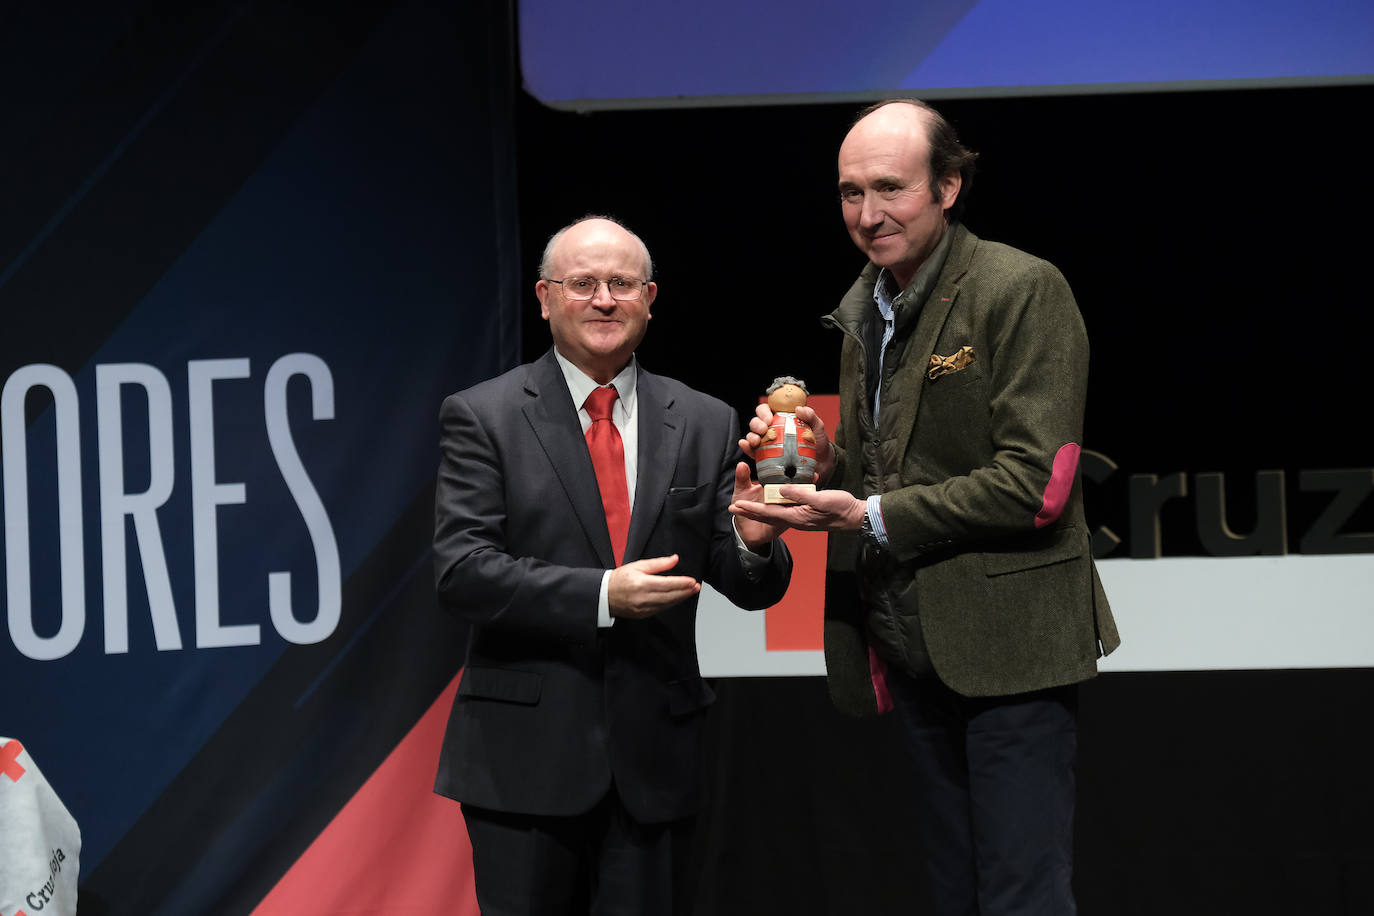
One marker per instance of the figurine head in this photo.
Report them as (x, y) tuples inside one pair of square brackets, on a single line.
[(786, 394)]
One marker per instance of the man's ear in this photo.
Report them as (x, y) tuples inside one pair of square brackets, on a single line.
[(541, 292), (650, 293), (949, 190)]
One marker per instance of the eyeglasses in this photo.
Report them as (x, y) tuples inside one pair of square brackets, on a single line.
[(624, 289), (889, 192)]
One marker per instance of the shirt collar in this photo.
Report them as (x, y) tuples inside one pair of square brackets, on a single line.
[(884, 291), (580, 384)]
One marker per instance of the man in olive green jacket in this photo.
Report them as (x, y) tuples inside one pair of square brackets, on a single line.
[(960, 586)]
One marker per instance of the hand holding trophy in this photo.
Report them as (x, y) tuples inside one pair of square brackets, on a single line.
[(787, 453)]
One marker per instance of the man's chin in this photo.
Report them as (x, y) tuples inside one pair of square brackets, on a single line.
[(617, 351), (608, 346), (885, 252)]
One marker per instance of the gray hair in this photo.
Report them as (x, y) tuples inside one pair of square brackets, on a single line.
[(558, 236), (782, 380)]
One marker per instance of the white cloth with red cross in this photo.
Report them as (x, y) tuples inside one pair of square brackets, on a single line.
[(40, 842)]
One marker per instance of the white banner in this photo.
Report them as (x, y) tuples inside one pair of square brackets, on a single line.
[(1175, 614)]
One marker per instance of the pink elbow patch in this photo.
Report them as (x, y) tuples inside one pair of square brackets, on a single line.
[(1060, 485)]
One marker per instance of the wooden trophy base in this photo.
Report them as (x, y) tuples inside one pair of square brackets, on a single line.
[(771, 497)]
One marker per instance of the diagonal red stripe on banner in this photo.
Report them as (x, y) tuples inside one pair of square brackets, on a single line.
[(9, 760), (395, 848)]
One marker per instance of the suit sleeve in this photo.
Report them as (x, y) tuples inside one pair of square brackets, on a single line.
[(728, 574), (477, 577), (1036, 386)]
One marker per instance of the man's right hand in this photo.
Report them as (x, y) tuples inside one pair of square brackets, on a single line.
[(758, 427), (637, 591)]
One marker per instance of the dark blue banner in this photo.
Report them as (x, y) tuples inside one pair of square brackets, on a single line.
[(246, 250)]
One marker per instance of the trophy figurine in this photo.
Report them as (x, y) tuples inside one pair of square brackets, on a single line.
[(787, 453)]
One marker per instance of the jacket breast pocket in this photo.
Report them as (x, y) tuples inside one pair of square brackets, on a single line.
[(952, 380), (955, 412), (681, 498), (689, 506), (686, 526), (502, 684)]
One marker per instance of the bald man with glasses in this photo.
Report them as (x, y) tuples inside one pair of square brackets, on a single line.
[(581, 503)]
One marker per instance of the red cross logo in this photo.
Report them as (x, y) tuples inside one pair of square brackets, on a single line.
[(9, 764)]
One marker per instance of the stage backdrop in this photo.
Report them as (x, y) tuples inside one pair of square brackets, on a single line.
[(1228, 486), (245, 250)]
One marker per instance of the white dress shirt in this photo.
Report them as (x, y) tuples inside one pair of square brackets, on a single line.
[(625, 416)]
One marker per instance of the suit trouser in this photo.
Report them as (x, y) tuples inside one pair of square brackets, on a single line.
[(602, 863), (995, 789)]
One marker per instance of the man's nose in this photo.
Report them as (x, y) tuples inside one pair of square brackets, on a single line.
[(872, 214), (602, 297)]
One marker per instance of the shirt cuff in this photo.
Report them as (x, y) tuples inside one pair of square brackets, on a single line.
[(603, 603), (875, 520), (753, 563)]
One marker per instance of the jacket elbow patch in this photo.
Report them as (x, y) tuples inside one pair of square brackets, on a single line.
[(1060, 485)]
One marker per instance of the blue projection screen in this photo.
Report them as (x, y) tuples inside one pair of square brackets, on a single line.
[(615, 53)]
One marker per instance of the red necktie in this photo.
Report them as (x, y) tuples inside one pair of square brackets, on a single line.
[(608, 459)]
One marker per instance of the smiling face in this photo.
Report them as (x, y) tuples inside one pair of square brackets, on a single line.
[(887, 198), (597, 335)]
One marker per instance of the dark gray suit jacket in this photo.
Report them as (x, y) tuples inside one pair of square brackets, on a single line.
[(550, 707)]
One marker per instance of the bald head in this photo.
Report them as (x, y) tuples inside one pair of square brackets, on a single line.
[(894, 112), (604, 223)]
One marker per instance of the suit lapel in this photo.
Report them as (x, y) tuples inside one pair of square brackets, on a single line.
[(928, 326), (661, 427), (553, 418)]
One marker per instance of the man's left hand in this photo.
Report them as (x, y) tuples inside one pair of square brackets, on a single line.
[(821, 510), (757, 535)]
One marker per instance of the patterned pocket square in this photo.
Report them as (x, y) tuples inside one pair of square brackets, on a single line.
[(943, 365)]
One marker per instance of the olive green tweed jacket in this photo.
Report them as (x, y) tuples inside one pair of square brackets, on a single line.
[(988, 565)]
